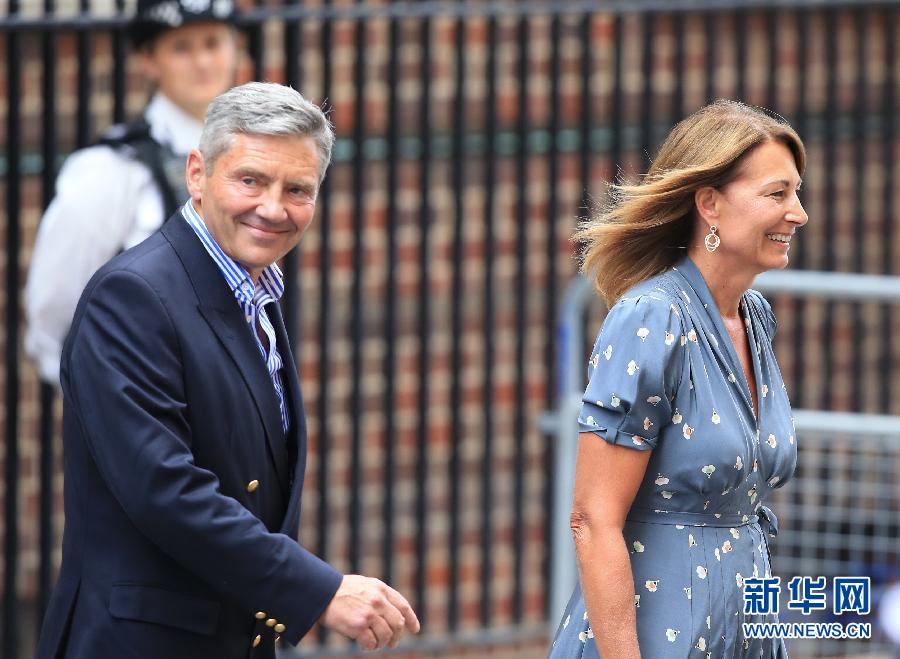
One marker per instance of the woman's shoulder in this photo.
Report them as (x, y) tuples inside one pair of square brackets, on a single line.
[(660, 290), (652, 301)]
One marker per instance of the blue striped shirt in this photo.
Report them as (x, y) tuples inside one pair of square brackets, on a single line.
[(252, 299)]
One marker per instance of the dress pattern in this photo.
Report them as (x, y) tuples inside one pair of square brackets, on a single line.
[(664, 376)]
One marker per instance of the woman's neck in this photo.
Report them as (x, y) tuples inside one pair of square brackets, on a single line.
[(726, 284)]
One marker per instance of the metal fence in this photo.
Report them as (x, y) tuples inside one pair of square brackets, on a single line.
[(841, 512), (472, 135), (841, 516)]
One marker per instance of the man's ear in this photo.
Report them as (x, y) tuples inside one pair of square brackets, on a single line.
[(195, 174), (706, 200)]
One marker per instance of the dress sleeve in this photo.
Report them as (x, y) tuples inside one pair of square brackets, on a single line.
[(634, 372)]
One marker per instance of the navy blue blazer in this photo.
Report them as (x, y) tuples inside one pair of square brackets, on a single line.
[(182, 491)]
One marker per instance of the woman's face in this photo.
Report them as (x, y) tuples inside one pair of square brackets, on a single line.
[(758, 213), (193, 64)]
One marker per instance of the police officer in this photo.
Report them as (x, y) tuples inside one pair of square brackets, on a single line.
[(113, 195)]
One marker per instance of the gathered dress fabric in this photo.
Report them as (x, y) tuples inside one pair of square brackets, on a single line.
[(664, 376)]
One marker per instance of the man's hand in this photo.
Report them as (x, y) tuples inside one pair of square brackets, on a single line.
[(370, 612)]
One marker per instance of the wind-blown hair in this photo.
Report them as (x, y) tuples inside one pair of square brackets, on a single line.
[(640, 231), (264, 108)]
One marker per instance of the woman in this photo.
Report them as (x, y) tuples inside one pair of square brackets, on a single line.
[(686, 395)]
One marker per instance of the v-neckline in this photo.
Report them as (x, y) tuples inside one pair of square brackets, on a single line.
[(737, 365), (750, 337), (698, 284)]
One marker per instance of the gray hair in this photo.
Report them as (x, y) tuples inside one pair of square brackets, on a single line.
[(264, 108)]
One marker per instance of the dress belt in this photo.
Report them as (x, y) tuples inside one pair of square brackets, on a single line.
[(763, 515)]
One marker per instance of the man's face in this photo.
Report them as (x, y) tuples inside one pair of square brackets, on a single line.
[(193, 64), (259, 197)]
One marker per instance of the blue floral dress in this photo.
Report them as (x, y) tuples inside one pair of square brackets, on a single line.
[(664, 376)]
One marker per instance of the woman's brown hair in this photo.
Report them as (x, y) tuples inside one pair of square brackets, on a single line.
[(639, 232)]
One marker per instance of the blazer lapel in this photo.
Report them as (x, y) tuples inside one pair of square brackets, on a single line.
[(235, 337), (290, 379), (297, 436), (220, 310)]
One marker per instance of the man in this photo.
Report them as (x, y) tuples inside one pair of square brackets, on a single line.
[(183, 423), (111, 196)]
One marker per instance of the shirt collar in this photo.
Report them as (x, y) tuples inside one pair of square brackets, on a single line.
[(172, 126), (271, 281)]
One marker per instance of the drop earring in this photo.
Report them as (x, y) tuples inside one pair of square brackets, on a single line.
[(712, 240)]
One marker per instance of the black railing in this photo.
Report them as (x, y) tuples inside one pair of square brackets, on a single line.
[(13, 285), (472, 137)]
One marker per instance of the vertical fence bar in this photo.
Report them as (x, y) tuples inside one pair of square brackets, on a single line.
[(616, 123), (45, 566), (323, 409), (120, 67), (424, 317), (828, 472), (884, 483), (773, 68), (648, 24), (49, 131), (293, 75), (257, 47), (831, 112), (831, 136), (551, 302), (13, 238), (741, 18), (390, 315), (356, 293), (291, 298), (830, 209), (325, 324), (47, 392), (799, 250), (855, 526), (860, 194), (586, 125), (711, 40), (490, 182), (888, 114), (456, 321), (679, 28), (801, 118), (520, 431), (83, 115)]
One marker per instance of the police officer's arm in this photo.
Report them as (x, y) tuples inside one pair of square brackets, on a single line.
[(85, 225)]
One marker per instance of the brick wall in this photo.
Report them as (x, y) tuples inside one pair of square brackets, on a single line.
[(824, 188)]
